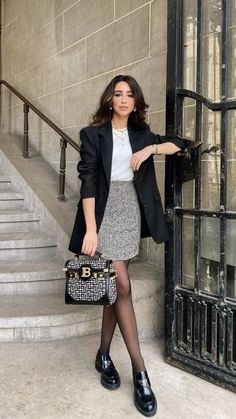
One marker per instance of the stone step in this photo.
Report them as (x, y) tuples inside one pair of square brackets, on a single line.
[(5, 178), (11, 199), (5, 182), (19, 277), (45, 317), (18, 220), (27, 245)]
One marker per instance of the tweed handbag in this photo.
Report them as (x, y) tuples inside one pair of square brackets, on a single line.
[(90, 280)]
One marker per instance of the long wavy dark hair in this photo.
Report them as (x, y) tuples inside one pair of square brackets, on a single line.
[(104, 112)]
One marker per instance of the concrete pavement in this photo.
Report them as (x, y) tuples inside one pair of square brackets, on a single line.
[(57, 380)]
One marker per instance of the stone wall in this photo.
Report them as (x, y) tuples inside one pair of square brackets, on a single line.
[(62, 53)]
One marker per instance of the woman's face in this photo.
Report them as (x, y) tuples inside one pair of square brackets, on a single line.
[(123, 101)]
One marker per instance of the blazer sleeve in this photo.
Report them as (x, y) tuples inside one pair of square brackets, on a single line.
[(178, 141), (88, 166)]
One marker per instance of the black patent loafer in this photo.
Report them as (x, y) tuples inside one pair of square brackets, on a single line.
[(109, 376), (144, 398)]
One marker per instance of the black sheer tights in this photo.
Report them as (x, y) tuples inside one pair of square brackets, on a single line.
[(122, 312)]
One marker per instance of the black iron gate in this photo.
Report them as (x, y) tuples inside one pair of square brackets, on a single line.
[(201, 254)]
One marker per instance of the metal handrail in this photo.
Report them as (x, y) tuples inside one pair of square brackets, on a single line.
[(228, 104), (64, 138)]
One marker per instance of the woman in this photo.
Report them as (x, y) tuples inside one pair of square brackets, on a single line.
[(120, 203)]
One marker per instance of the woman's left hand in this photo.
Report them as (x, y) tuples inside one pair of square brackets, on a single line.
[(138, 158)]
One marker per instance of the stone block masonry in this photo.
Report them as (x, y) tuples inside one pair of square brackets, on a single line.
[(61, 54)]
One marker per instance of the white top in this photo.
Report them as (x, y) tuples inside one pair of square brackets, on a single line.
[(122, 152)]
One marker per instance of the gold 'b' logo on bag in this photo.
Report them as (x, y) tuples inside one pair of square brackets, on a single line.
[(85, 272)]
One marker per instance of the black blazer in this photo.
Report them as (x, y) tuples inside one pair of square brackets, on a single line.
[(95, 173)]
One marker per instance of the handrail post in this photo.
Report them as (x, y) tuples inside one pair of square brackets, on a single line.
[(64, 138), (63, 145), (26, 131)]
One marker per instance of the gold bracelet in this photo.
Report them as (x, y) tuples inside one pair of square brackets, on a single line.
[(156, 146)]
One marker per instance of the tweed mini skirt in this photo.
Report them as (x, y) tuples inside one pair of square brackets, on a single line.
[(120, 230)]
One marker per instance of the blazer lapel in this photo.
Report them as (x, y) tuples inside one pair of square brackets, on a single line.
[(136, 138), (106, 147)]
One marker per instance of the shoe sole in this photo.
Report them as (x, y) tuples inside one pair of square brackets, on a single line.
[(105, 385), (147, 414)]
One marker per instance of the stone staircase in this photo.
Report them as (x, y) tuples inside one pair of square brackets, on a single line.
[(32, 282)]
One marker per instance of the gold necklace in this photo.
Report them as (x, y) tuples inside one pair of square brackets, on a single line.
[(120, 129), (120, 132)]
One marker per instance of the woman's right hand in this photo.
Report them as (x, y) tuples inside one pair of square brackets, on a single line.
[(90, 243)]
